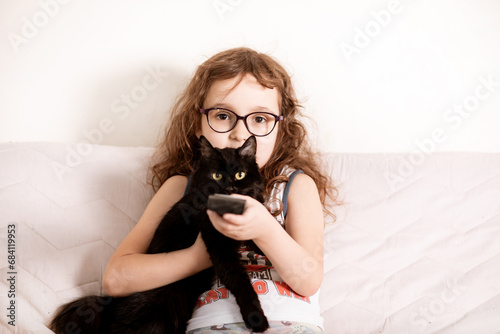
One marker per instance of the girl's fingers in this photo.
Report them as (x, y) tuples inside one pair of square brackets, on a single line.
[(231, 218)]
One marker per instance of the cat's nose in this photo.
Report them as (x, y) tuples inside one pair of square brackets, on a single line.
[(231, 190)]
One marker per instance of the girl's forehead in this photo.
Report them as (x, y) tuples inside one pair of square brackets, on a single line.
[(237, 90)]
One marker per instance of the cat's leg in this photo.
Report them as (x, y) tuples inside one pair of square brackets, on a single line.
[(176, 230), (227, 266)]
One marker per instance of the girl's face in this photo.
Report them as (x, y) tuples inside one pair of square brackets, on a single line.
[(247, 97)]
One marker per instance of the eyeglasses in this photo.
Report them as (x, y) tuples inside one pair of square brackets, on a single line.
[(223, 120)]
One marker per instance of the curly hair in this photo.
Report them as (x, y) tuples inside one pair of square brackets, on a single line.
[(176, 152)]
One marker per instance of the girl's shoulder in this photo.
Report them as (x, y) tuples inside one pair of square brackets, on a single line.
[(171, 190), (303, 185), (279, 196), (303, 196), (176, 181)]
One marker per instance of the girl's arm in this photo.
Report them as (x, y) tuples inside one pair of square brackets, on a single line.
[(131, 270), (297, 253)]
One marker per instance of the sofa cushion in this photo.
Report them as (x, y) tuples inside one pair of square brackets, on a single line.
[(414, 249)]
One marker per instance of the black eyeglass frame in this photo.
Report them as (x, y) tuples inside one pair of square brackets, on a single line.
[(244, 118)]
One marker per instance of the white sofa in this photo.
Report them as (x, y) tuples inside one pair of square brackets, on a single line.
[(415, 249)]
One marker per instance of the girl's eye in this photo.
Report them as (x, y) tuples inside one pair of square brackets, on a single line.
[(260, 119), (240, 175), (222, 115), (217, 176)]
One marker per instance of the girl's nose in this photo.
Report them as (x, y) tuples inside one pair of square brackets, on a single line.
[(240, 131)]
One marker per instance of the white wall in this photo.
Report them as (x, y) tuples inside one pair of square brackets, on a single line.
[(377, 76)]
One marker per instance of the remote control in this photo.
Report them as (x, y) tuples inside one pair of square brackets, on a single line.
[(225, 204)]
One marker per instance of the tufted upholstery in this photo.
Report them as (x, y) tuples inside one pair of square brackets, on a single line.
[(415, 249)]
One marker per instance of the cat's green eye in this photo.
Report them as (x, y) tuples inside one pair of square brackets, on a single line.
[(217, 176), (240, 175)]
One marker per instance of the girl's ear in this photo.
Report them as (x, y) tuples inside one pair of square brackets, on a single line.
[(206, 149), (249, 147)]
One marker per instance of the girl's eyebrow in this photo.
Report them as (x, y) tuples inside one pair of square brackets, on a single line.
[(264, 109), (230, 107), (220, 105)]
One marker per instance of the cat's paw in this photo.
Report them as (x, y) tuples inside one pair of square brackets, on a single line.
[(255, 319), (264, 325)]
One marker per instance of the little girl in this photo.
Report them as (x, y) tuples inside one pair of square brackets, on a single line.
[(241, 87)]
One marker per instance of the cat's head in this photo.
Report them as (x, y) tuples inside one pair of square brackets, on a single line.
[(228, 170)]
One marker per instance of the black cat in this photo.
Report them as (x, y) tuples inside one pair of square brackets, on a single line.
[(167, 309)]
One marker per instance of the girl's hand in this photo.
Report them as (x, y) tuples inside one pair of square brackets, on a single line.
[(250, 225)]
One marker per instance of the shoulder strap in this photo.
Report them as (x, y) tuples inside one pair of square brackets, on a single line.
[(287, 190)]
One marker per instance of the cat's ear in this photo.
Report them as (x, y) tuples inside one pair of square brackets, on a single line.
[(249, 147), (206, 149)]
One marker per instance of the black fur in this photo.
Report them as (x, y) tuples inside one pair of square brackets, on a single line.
[(167, 309)]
